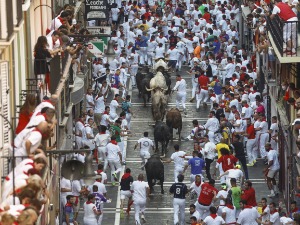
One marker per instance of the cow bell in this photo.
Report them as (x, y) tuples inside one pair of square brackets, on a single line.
[(72, 170), (89, 174), (110, 52)]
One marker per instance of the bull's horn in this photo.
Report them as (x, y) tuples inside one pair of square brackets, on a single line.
[(151, 89)]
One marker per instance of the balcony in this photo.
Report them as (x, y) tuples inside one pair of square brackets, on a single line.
[(277, 34)]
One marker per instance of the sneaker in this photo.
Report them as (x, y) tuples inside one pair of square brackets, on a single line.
[(115, 176), (122, 213), (192, 100), (124, 163), (113, 183), (250, 164), (185, 113), (271, 195), (143, 218)]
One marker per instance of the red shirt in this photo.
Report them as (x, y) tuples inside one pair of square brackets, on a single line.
[(203, 82), (249, 196), (207, 194), (24, 119), (227, 162), (251, 131), (206, 16)]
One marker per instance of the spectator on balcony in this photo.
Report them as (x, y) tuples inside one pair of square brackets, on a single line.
[(62, 19), (47, 102), (27, 142), (47, 114), (285, 13), (41, 54), (90, 104), (26, 112)]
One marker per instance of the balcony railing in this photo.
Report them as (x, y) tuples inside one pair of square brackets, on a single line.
[(282, 33)]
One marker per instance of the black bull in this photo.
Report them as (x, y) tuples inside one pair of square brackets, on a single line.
[(155, 171)]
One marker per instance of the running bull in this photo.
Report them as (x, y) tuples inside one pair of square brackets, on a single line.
[(162, 135), (155, 171)]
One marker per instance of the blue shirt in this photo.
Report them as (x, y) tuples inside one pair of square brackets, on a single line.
[(217, 47), (217, 88), (115, 80), (197, 164), (98, 200)]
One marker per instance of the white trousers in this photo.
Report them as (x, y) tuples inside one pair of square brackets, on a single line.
[(263, 139), (115, 167), (177, 170), (128, 118), (139, 207), (201, 97), (78, 141), (89, 221), (251, 150), (102, 156), (123, 151), (180, 98), (194, 87), (179, 211), (143, 55), (203, 210)]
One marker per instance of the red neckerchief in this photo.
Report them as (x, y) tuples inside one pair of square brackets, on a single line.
[(60, 19), (248, 207), (115, 99), (213, 216), (213, 95), (263, 208), (129, 47), (87, 125), (246, 105), (125, 176), (115, 48), (233, 79), (102, 132), (99, 171), (229, 206), (68, 204), (198, 184), (172, 26), (105, 112), (81, 122), (160, 36), (263, 120), (36, 129), (98, 180), (295, 210), (274, 211), (89, 202), (253, 92), (114, 142)]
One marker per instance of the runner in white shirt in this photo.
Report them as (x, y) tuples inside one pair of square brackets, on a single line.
[(152, 45), (141, 192), (247, 111), (229, 212), (88, 134), (274, 133), (144, 144), (212, 125), (181, 52), (90, 211), (172, 53), (99, 106), (209, 153), (114, 104), (180, 86), (248, 215), (221, 196), (101, 187), (162, 40), (134, 61), (101, 140), (160, 52), (114, 158), (105, 119), (274, 216), (213, 218), (234, 173), (65, 190), (263, 136), (178, 158), (195, 187), (272, 169)]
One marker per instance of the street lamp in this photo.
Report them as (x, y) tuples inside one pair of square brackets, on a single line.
[(110, 52)]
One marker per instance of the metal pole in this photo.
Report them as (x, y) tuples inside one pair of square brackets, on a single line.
[(13, 155)]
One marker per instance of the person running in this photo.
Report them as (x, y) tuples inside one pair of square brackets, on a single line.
[(90, 211), (144, 144), (197, 164), (248, 215), (207, 196), (272, 169), (126, 181), (180, 86), (114, 158), (178, 158), (179, 191), (234, 194), (213, 218), (140, 190)]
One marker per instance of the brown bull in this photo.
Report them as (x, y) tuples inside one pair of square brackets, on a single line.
[(174, 120), (159, 105)]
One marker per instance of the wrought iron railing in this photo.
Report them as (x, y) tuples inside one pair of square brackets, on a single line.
[(284, 33)]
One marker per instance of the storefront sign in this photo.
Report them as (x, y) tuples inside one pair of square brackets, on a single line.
[(96, 10)]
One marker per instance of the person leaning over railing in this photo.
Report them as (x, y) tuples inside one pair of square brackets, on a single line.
[(285, 13)]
